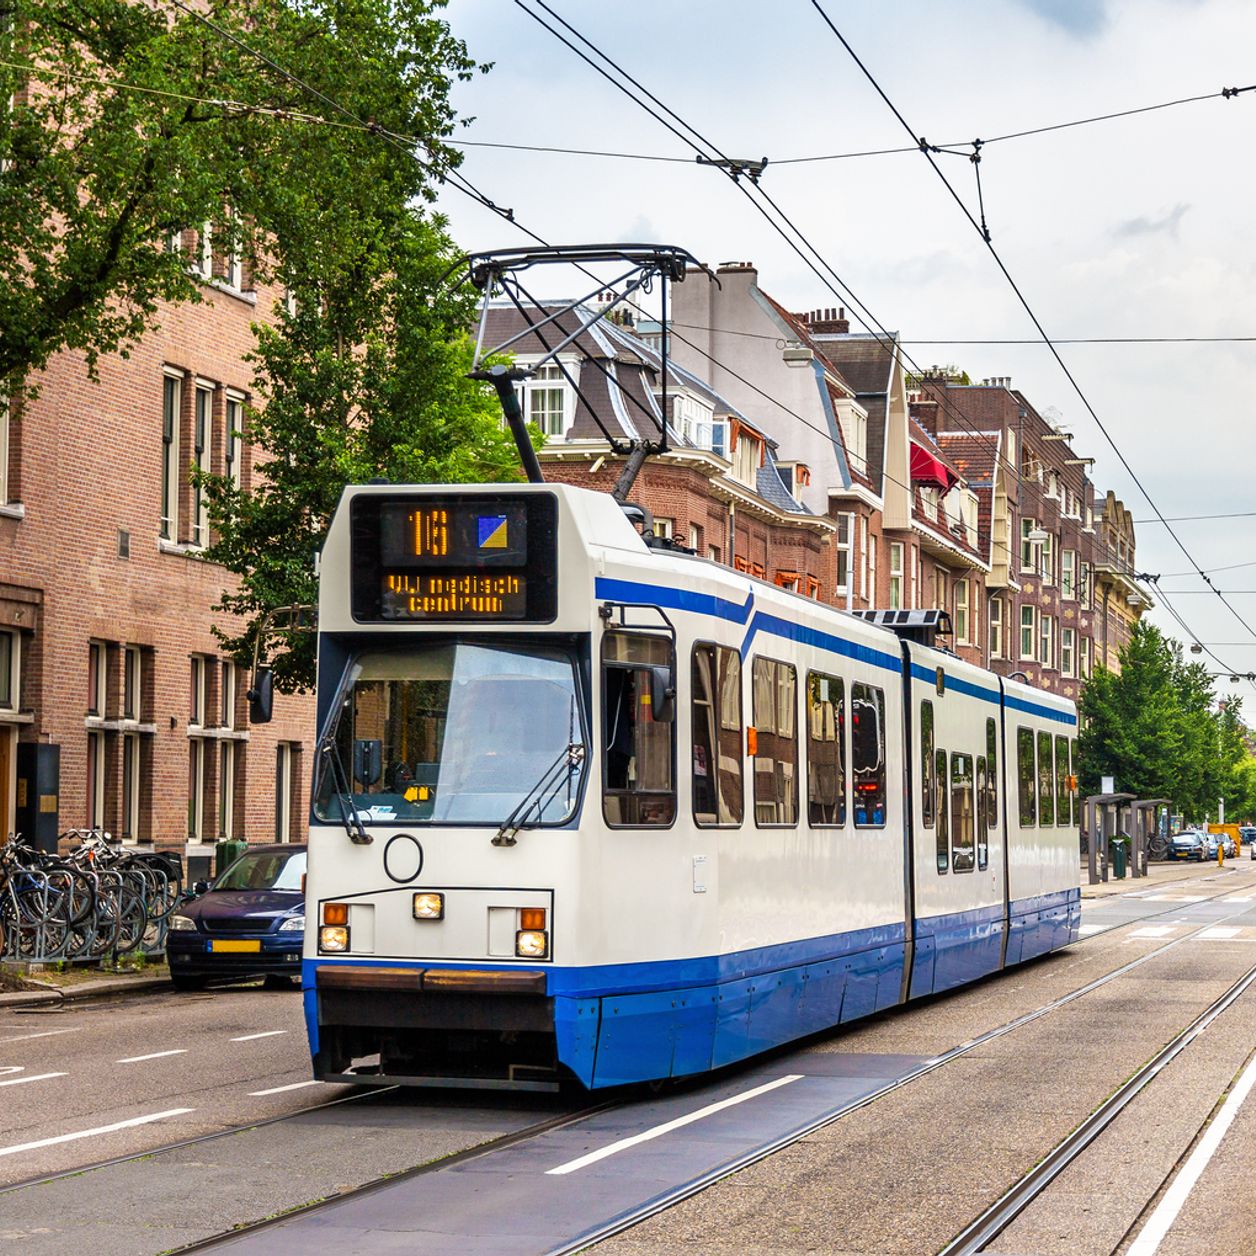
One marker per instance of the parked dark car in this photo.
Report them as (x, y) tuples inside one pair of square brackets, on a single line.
[(1247, 834), (249, 923), (1188, 844)]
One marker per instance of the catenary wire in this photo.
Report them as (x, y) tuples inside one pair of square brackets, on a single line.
[(468, 189), (1032, 316)]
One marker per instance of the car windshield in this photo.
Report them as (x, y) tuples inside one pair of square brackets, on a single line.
[(275, 870), (457, 733)]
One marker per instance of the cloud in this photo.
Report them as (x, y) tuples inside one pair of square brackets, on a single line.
[(1083, 18), (1167, 223)]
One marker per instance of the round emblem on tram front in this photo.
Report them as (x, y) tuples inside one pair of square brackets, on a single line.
[(403, 858)]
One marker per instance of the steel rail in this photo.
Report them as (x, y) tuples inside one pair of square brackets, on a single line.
[(388, 1179), (991, 1223), (675, 1195)]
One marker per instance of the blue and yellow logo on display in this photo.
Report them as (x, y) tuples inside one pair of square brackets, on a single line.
[(491, 531)]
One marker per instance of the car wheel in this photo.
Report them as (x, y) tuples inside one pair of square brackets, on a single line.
[(185, 982)]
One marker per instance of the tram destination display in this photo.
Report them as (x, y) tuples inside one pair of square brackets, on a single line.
[(457, 557)]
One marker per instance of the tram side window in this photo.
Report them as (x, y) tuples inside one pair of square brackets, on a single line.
[(1025, 776), (1046, 780), (926, 764), (940, 808), (867, 753), (826, 750), (992, 775), (983, 802), (638, 749), (1072, 768), (962, 820), (776, 737), (1061, 781), (716, 711)]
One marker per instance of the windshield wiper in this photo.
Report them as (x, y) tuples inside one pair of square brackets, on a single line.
[(354, 827), (569, 759)]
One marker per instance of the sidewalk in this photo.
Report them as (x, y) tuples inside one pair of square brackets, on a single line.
[(73, 985), (1161, 874)]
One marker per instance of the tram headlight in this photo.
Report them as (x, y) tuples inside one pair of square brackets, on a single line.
[(333, 938), (531, 944), (429, 905)]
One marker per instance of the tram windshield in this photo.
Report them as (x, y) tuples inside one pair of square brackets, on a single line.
[(457, 734)]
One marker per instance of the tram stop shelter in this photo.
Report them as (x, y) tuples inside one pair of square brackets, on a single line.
[(1145, 814), (1106, 815)]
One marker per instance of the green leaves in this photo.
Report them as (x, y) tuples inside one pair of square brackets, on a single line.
[(132, 121), (1153, 726)]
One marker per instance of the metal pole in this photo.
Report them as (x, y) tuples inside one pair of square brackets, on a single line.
[(503, 380)]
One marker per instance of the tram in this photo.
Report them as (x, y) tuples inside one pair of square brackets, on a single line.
[(587, 810)]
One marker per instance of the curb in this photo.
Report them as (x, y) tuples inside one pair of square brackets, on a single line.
[(48, 996)]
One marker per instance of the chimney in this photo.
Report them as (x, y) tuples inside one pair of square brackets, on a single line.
[(830, 322), (734, 268)]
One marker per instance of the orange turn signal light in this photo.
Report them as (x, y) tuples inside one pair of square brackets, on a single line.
[(532, 918), (335, 913)]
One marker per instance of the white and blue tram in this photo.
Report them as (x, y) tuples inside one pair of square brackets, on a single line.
[(589, 809)]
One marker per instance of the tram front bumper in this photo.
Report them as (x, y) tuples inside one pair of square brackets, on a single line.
[(435, 1026)]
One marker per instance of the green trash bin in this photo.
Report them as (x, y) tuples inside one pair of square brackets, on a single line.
[(226, 853), (1119, 854)]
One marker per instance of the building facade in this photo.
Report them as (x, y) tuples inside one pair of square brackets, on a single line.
[(117, 707)]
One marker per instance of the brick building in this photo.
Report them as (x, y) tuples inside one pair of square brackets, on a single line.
[(725, 489), (111, 680)]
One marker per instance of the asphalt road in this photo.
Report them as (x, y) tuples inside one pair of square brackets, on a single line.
[(901, 1175)]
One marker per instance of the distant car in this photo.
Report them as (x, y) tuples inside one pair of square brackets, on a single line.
[(1247, 834), (1189, 844), (1219, 841), (249, 923)]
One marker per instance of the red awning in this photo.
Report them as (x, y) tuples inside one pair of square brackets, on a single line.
[(927, 468)]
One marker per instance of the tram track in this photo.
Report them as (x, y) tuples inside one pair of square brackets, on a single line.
[(671, 1196)]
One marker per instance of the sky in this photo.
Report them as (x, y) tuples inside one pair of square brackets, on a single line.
[(1140, 226)]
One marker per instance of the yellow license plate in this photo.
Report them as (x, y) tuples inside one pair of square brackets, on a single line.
[(233, 945)]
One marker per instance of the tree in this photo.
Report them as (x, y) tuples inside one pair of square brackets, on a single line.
[(133, 122), (367, 381), (1154, 728)]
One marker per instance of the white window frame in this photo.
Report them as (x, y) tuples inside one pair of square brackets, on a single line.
[(1068, 574), (202, 458), (872, 568), (1068, 657), (172, 413), (94, 794), (695, 538), (842, 546), (747, 458), (204, 262), (196, 788), (1085, 657), (1027, 546), (539, 392), (233, 438), (228, 674), (228, 751), (1031, 627), (896, 575), (664, 528), (1046, 638), (1046, 559), (132, 683), (994, 627), (962, 624), (284, 756), (129, 813), (198, 689), (97, 678), (4, 449)]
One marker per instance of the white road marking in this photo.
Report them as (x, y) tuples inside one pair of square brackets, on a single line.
[(92, 1133), (1176, 898), (1218, 933), (1085, 929), (48, 1033), (276, 1090), (1152, 931), (270, 1033), (659, 1130), (1152, 1234), (34, 1077), (156, 1055)]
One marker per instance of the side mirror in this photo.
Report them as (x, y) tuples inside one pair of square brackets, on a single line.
[(262, 696), (662, 694)]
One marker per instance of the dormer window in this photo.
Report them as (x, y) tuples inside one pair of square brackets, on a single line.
[(546, 397), (854, 425), (747, 457)]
